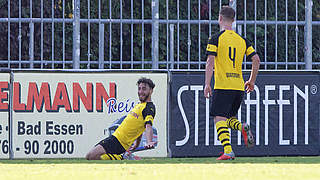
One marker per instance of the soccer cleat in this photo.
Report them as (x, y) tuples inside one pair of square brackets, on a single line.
[(225, 156), (247, 135)]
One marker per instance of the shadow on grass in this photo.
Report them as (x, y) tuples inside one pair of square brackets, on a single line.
[(211, 160)]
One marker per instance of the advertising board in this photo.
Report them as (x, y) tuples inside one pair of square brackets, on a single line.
[(64, 115), (4, 115), (283, 113)]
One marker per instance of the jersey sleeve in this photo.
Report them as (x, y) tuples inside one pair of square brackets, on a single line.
[(148, 113), (212, 46), (250, 50)]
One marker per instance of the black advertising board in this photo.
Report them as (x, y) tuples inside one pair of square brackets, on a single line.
[(283, 113)]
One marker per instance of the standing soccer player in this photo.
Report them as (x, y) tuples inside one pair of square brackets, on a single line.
[(139, 119), (226, 51)]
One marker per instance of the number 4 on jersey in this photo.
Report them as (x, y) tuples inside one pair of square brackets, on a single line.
[(232, 58)]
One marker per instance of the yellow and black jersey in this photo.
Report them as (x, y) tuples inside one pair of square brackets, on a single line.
[(134, 124), (229, 49)]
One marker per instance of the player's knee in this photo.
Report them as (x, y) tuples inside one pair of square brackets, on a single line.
[(89, 156)]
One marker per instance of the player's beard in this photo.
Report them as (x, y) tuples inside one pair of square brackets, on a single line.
[(144, 98)]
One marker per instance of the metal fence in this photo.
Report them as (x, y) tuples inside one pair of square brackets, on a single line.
[(149, 35)]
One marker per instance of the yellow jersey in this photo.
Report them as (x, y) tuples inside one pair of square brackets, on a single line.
[(134, 124), (229, 49)]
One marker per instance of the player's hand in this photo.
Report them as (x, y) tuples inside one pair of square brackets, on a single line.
[(207, 91), (133, 147), (150, 145), (249, 86)]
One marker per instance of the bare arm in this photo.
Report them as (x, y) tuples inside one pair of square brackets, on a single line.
[(209, 73), (255, 68), (149, 136), (136, 144)]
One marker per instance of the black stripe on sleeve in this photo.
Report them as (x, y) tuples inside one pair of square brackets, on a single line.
[(250, 56), (212, 53), (148, 122), (150, 109)]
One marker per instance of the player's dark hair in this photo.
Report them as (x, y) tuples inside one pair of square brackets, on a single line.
[(146, 81), (227, 13)]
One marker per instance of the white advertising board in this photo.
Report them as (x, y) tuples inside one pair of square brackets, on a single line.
[(64, 115), (4, 115)]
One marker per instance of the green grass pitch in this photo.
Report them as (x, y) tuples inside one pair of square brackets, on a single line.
[(244, 168)]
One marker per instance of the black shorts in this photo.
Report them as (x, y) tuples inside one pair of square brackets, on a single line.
[(226, 103), (112, 146)]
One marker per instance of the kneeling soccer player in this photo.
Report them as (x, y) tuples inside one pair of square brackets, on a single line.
[(139, 119)]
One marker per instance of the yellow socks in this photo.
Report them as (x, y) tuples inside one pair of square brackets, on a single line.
[(234, 123), (111, 157), (224, 136)]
